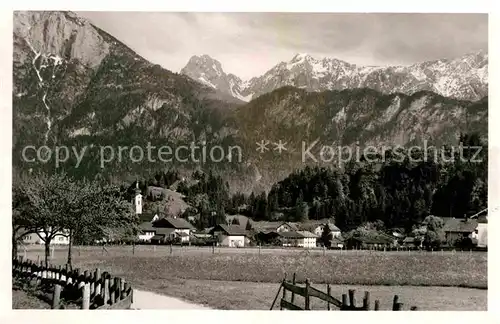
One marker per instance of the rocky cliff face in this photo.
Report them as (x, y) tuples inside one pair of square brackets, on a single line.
[(209, 72), (465, 77), (76, 85)]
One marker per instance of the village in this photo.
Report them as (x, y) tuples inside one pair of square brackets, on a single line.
[(240, 231)]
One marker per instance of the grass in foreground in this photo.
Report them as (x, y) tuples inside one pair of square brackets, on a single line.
[(259, 296), (250, 281)]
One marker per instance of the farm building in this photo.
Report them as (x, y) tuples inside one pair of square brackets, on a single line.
[(411, 242), (317, 227), (61, 238), (163, 235), (179, 225), (456, 229), (268, 232), (165, 230), (279, 226), (229, 235), (336, 243), (146, 231), (482, 231), (267, 238), (303, 239)]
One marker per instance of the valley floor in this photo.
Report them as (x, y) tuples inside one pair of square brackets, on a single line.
[(243, 279)]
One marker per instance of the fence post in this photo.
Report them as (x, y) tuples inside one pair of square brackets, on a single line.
[(106, 288), (133, 248), (377, 305), (345, 305), (32, 275), (92, 283), (352, 300), (328, 292), (67, 274), (125, 289), (56, 297), (395, 302), (171, 249), (259, 248), (98, 280), (112, 289), (86, 296), (117, 289), (213, 248), (44, 272), (366, 301), (122, 288), (80, 282), (307, 301), (293, 294)]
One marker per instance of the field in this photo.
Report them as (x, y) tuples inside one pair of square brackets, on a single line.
[(248, 279)]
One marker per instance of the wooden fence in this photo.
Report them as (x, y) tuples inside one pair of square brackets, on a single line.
[(348, 301), (66, 286)]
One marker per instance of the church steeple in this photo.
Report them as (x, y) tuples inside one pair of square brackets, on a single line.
[(138, 199)]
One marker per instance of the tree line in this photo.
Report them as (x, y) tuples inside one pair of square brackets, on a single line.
[(398, 192)]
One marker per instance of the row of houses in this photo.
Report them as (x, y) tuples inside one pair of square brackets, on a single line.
[(288, 234), (179, 230), (61, 238), (158, 230)]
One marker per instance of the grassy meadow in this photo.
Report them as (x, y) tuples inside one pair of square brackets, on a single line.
[(428, 280)]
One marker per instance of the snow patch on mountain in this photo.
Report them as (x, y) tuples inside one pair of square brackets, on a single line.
[(205, 81)]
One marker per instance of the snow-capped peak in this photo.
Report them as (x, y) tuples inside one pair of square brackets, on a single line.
[(465, 77), (301, 57)]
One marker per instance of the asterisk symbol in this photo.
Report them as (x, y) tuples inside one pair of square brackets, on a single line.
[(280, 146), (262, 146)]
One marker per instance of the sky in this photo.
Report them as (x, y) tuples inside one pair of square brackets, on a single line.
[(249, 44)]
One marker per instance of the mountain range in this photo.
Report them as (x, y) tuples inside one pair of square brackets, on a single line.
[(74, 84), (464, 77)]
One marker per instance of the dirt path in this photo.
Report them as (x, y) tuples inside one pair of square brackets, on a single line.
[(149, 300)]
